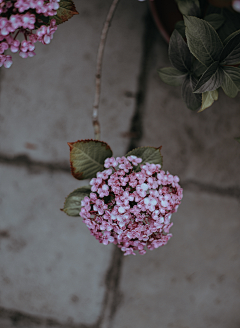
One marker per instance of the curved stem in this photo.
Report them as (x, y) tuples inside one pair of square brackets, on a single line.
[(105, 29)]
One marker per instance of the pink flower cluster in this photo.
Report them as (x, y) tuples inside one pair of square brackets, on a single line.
[(131, 209), (22, 17)]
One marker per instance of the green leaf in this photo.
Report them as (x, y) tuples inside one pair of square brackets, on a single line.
[(230, 54), (72, 205), (179, 54), (149, 155), (231, 81), (42, 20), (208, 99), (193, 100), (198, 68), (232, 23), (171, 76), (238, 139), (87, 157), (234, 74), (229, 37), (215, 20), (189, 7), (203, 41), (65, 11), (180, 27), (211, 79)]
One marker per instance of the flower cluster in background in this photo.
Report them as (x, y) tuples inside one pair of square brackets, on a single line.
[(236, 5), (131, 209), (29, 18)]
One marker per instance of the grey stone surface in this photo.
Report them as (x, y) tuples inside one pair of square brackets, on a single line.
[(54, 91), (196, 146), (53, 273), (50, 265), (194, 280)]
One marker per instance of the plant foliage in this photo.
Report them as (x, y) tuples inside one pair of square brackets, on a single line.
[(210, 56), (87, 158), (65, 11)]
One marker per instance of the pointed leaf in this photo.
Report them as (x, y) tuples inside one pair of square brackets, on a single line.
[(198, 68), (180, 27), (189, 7), (72, 205), (215, 20), (171, 76), (210, 80), (179, 54), (208, 99), (234, 74), (229, 37), (238, 139), (192, 100), (232, 23), (87, 157), (65, 11), (230, 54), (231, 81), (149, 155), (203, 41)]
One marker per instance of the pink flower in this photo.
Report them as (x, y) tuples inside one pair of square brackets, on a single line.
[(110, 162), (20, 17), (131, 210), (5, 60), (236, 5)]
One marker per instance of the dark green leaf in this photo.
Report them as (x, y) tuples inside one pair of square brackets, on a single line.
[(198, 68), (211, 79), (208, 99), (231, 24), (238, 139), (234, 74), (215, 20), (42, 20), (72, 205), (149, 155), (203, 41), (179, 54), (87, 157), (230, 54), (180, 27), (189, 7), (65, 11), (213, 10), (171, 76), (192, 100), (230, 36), (231, 81)]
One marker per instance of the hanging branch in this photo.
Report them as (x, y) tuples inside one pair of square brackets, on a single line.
[(95, 121)]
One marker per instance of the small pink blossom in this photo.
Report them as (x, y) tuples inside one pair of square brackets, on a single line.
[(131, 210), (22, 17)]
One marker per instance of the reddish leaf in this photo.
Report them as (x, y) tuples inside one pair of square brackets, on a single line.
[(65, 11)]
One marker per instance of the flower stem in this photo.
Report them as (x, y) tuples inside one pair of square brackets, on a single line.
[(95, 121)]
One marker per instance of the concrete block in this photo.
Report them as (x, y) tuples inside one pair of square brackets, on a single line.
[(193, 281), (46, 101), (50, 265)]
